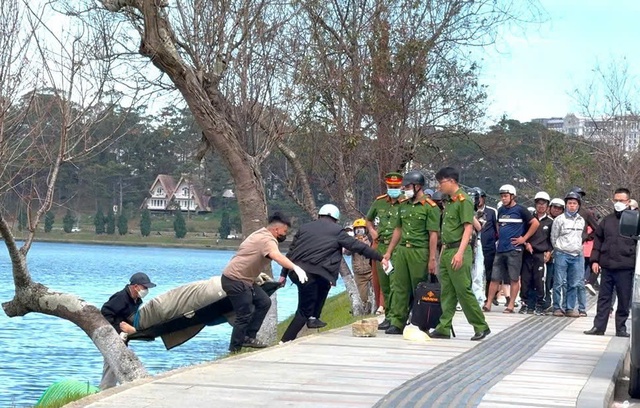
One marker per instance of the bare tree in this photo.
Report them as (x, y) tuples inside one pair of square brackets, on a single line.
[(610, 123), (40, 129)]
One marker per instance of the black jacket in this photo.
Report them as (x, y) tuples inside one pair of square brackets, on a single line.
[(319, 244), (119, 307), (541, 239), (489, 232), (610, 249)]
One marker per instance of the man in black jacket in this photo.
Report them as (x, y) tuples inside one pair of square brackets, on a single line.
[(614, 257), (119, 311), (317, 248)]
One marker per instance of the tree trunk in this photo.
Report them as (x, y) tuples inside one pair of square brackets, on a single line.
[(34, 297), (357, 306)]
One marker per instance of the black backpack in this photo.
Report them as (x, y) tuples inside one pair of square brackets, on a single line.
[(426, 310)]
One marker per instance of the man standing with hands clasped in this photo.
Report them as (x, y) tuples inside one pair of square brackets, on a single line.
[(456, 259)]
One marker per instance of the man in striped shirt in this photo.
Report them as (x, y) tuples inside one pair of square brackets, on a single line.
[(515, 226)]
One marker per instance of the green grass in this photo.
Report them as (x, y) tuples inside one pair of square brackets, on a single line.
[(336, 313)]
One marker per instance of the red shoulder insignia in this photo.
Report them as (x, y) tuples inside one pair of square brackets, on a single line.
[(380, 197), (431, 202)]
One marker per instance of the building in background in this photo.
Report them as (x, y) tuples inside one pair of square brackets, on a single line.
[(166, 195)]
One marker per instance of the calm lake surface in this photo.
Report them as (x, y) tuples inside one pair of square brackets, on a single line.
[(38, 350)]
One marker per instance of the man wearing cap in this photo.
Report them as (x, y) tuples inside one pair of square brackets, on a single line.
[(250, 302), (537, 252), (416, 238), (384, 214), (456, 258), (119, 311)]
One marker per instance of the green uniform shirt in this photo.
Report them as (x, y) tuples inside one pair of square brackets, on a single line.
[(416, 220), (386, 211), (457, 212)]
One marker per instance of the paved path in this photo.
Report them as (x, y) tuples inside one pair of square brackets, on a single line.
[(553, 362)]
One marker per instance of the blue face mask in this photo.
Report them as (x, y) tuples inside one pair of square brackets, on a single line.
[(393, 192)]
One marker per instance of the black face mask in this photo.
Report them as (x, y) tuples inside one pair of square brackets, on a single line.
[(281, 238)]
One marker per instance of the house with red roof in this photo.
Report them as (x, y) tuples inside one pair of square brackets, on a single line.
[(166, 195)]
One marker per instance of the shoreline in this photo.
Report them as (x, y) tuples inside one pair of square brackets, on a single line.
[(139, 244)]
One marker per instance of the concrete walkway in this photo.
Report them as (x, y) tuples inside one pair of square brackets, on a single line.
[(334, 369)]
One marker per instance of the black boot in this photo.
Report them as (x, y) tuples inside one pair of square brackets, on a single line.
[(384, 325)]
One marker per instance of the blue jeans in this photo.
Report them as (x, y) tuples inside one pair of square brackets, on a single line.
[(569, 272)]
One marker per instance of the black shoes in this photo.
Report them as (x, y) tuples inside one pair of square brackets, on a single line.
[(622, 333), (314, 323), (481, 335), (393, 330), (253, 343), (594, 332), (384, 325), (434, 334)]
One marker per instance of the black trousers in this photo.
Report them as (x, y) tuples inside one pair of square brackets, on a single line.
[(620, 280), (532, 279), (250, 304), (489, 257), (311, 298)]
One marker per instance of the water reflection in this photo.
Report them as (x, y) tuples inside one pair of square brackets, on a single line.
[(38, 350)]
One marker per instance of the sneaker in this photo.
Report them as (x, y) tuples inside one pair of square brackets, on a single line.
[(572, 313), (530, 311), (523, 309), (253, 343), (589, 287), (314, 323), (539, 312), (558, 313)]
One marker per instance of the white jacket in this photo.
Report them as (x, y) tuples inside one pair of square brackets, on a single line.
[(566, 233)]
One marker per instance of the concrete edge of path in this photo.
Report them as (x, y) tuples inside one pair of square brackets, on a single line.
[(600, 387)]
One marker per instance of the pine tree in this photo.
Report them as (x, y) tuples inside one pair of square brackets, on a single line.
[(49, 218), (99, 221), (180, 225), (22, 219), (68, 221), (225, 225), (145, 223), (111, 223), (123, 224)]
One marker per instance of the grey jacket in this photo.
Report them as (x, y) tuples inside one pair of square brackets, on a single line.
[(566, 233)]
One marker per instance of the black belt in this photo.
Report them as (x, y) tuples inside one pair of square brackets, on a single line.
[(452, 245)]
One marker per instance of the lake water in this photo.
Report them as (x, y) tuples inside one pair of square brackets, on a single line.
[(38, 350)]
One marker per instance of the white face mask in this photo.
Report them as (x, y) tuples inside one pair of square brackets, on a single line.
[(350, 233), (409, 194), (619, 207), (142, 293)]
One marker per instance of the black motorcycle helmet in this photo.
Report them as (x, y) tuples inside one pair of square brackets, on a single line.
[(413, 177), (573, 195)]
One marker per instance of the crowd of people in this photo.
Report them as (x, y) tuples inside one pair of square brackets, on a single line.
[(543, 260)]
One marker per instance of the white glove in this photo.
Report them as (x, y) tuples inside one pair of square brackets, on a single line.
[(262, 278), (302, 275)]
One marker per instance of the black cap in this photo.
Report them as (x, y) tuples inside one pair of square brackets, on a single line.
[(141, 278)]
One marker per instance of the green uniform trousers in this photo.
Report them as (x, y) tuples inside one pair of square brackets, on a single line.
[(383, 278), (456, 287), (409, 269)]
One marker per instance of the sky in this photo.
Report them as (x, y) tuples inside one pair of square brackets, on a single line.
[(533, 74)]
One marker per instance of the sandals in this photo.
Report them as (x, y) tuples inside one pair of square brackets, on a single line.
[(507, 310), (485, 309)]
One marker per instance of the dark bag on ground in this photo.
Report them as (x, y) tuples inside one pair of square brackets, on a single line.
[(426, 310)]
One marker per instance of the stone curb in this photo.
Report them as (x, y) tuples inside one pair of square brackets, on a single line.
[(600, 387)]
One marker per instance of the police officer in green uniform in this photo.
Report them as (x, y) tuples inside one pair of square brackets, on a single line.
[(414, 239), (456, 259), (385, 210)]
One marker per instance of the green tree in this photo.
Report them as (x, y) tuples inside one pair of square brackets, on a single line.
[(49, 218), (145, 223), (68, 221), (179, 225), (123, 224), (225, 225), (22, 219), (98, 221), (111, 223)]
